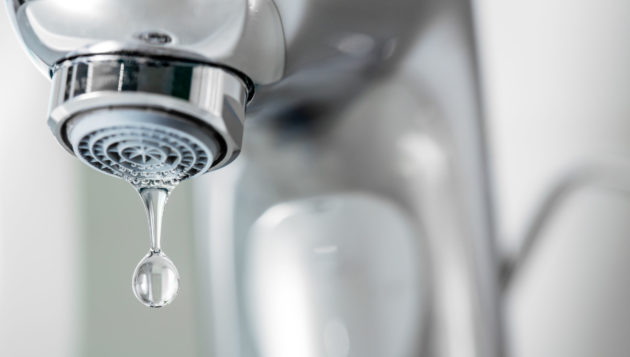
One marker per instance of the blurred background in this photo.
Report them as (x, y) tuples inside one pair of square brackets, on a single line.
[(555, 88)]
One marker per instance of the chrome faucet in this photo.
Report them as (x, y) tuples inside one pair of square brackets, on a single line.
[(314, 78)]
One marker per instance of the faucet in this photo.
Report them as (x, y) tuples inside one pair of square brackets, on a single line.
[(174, 81)]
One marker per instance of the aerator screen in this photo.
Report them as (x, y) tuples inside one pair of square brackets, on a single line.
[(146, 148)]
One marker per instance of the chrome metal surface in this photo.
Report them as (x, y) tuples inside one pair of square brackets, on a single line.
[(413, 137), (324, 128), (325, 53), (208, 101), (245, 35), (335, 262), (335, 49)]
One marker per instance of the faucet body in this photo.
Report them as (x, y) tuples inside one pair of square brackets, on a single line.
[(201, 62), (300, 68)]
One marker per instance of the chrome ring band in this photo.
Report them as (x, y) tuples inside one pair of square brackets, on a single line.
[(212, 97)]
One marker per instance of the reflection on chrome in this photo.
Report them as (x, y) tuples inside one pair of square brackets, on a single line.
[(321, 281)]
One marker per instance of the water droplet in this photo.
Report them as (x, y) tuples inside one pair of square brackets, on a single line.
[(156, 280)]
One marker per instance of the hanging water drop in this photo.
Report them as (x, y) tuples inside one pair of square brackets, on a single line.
[(155, 281)]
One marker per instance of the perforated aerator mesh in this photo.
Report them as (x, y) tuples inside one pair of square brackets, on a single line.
[(147, 149)]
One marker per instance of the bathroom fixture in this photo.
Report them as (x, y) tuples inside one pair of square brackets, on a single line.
[(155, 92), (169, 78), (183, 73)]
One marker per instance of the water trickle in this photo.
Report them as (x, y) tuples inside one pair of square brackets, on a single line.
[(155, 281)]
